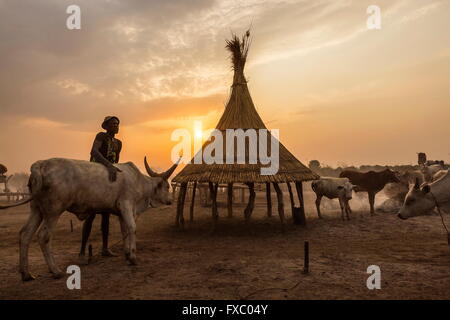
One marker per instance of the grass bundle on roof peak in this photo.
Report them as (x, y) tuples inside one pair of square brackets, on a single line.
[(239, 49)]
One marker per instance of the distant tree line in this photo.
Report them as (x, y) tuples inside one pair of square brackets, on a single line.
[(328, 171)]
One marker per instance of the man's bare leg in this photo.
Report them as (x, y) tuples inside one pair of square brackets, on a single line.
[(105, 234), (86, 232)]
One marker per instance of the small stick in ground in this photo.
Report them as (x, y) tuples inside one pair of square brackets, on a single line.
[(306, 258)]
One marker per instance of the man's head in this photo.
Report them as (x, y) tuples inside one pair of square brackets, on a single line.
[(111, 124)]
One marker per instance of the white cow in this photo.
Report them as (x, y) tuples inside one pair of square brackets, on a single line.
[(439, 174), (421, 200), (333, 188), (429, 171), (83, 188)]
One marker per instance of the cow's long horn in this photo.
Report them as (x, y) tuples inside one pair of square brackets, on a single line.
[(150, 172), (166, 175)]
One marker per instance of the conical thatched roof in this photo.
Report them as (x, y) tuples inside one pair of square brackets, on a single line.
[(240, 113)]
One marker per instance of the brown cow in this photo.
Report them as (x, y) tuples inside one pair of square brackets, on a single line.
[(372, 182)]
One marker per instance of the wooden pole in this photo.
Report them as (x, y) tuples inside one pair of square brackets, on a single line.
[(306, 258), (191, 211), (199, 187), (280, 204), (174, 190), (90, 253), (230, 200), (208, 196), (251, 201), (213, 190), (269, 200), (299, 188), (291, 196), (180, 205), (204, 194)]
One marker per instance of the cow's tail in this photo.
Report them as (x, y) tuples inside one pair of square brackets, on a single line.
[(34, 184), (16, 204)]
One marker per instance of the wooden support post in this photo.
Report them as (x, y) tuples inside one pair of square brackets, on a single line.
[(203, 195), (251, 201), (180, 204), (215, 214), (269, 200), (280, 203), (299, 187), (291, 196), (208, 196), (90, 253), (191, 211), (174, 191), (230, 200)]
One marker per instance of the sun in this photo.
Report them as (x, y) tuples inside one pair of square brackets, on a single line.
[(198, 133)]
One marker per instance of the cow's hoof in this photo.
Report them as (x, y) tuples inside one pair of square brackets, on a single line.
[(132, 261), (57, 275), (83, 260), (108, 253), (26, 276)]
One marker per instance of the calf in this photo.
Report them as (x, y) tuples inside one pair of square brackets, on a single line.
[(333, 188)]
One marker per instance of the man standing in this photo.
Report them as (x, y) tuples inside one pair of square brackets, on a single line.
[(105, 150)]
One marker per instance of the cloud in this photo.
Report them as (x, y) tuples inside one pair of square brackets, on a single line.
[(41, 123), (155, 59), (420, 12)]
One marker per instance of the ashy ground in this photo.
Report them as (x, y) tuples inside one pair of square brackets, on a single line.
[(241, 261)]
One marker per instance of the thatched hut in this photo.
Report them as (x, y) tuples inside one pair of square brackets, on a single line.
[(240, 113)]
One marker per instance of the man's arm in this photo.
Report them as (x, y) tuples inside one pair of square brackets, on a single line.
[(118, 151), (95, 152)]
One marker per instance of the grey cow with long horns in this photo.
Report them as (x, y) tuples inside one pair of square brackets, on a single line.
[(83, 188)]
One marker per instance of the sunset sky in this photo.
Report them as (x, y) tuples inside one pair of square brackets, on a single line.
[(338, 92)]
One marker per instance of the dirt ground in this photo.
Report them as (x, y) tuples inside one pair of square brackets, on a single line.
[(253, 261)]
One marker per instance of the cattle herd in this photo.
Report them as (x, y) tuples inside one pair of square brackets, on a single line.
[(427, 188), (83, 188)]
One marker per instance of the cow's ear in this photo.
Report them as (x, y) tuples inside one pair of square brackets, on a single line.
[(426, 188)]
